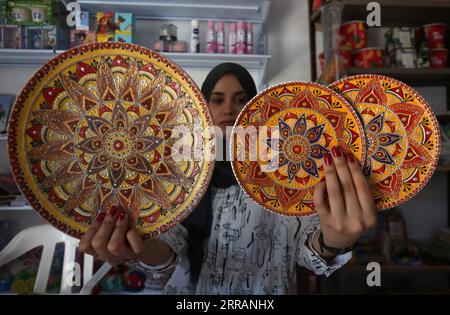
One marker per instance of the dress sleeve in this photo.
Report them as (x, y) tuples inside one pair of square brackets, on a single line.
[(307, 257), (158, 276)]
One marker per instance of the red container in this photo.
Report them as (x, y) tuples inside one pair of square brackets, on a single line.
[(435, 34), (353, 35), (322, 60), (438, 57), (346, 55), (346, 58), (371, 57)]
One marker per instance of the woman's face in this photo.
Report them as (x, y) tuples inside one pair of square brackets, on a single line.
[(226, 101)]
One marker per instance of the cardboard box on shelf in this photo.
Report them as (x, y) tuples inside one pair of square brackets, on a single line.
[(46, 37), (124, 38), (6, 102), (105, 23), (105, 38), (124, 22), (12, 36), (83, 24), (78, 37), (29, 12)]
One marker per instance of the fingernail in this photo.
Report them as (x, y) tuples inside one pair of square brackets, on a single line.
[(322, 180), (100, 217), (327, 158), (122, 215), (113, 211), (350, 157), (336, 152)]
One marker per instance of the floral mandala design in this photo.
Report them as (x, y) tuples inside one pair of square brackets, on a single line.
[(402, 136), (303, 121), (99, 132)]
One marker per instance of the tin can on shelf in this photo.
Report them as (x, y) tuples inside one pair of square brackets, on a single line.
[(345, 55), (371, 57), (435, 34), (438, 57), (353, 35), (405, 58)]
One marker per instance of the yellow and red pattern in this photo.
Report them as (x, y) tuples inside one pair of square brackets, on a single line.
[(402, 133), (286, 130), (93, 128)]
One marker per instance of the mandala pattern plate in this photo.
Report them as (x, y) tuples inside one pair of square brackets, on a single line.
[(280, 139), (96, 127), (403, 138)]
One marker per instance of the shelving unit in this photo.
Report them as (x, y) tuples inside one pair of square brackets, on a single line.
[(14, 208), (428, 11), (394, 13), (255, 11)]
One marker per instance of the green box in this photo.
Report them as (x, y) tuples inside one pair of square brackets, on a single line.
[(28, 12)]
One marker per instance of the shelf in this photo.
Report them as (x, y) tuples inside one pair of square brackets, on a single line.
[(39, 57), (226, 10), (15, 208), (397, 12), (421, 77), (209, 60), (25, 57), (402, 3), (443, 168), (399, 268)]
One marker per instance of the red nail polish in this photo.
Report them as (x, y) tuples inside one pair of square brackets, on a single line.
[(350, 157), (336, 152), (327, 158), (100, 217), (122, 215), (113, 211)]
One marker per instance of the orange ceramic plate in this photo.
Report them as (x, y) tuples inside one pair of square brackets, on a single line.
[(403, 138), (280, 138), (93, 128)]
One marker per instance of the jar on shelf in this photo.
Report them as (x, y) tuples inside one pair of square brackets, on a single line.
[(167, 36)]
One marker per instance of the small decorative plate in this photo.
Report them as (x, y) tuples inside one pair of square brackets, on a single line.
[(279, 141), (403, 138), (95, 127)]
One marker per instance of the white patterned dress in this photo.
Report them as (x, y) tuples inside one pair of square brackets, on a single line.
[(249, 251)]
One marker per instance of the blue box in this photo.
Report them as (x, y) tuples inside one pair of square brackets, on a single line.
[(84, 21), (6, 103)]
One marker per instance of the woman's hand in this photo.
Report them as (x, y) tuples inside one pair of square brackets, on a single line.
[(344, 201), (109, 238)]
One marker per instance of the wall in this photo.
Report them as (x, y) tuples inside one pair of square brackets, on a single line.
[(288, 41)]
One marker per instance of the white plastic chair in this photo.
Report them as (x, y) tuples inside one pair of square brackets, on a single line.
[(48, 236)]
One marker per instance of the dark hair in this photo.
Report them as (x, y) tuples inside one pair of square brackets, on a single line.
[(242, 75)]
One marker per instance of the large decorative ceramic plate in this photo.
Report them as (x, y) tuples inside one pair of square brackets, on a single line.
[(280, 139), (402, 135), (96, 127)]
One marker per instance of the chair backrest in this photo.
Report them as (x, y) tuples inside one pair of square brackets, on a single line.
[(47, 236)]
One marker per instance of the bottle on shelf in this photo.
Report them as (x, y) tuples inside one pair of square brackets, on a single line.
[(220, 32), (249, 38), (195, 41), (211, 39), (232, 39), (241, 42)]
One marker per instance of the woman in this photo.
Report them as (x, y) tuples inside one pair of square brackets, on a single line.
[(229, 244)]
